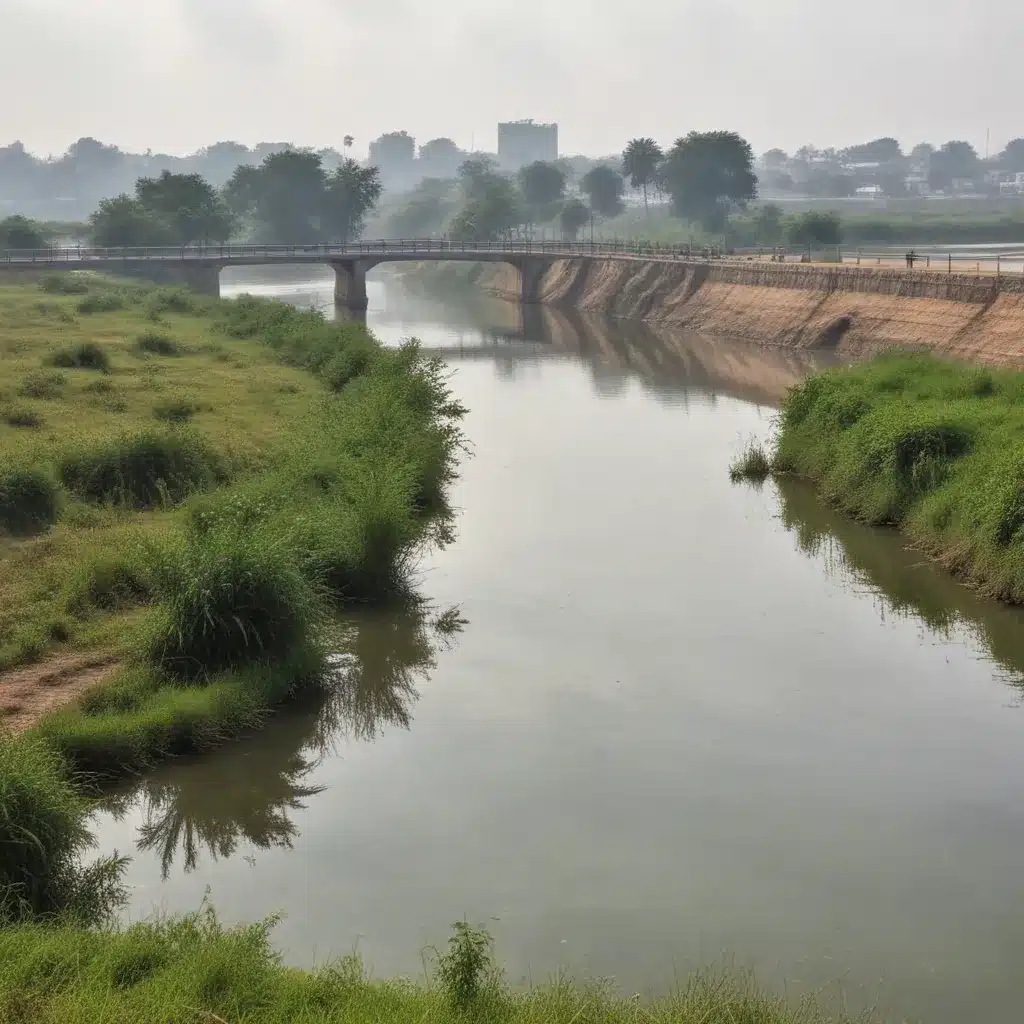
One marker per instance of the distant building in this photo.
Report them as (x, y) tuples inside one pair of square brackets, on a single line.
[(393, 152), (523, 142)]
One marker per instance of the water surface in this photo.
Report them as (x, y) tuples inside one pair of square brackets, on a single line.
[(682, 719)]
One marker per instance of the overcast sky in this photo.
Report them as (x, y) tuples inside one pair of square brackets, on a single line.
[(174, 75)]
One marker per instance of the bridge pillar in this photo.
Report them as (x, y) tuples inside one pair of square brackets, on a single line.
[(531, 274), (350, 284)]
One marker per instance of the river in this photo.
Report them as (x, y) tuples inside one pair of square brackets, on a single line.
[(680, 722)]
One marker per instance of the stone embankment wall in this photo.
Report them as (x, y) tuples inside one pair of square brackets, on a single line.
[(851, 310)]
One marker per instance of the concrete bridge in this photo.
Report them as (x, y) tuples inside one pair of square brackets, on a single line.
[(199, 266)]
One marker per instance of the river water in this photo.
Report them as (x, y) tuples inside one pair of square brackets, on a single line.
[(680, 723)]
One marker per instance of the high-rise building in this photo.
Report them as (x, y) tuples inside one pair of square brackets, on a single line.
[(523, 142)]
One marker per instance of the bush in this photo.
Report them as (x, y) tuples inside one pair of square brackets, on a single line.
[(110, 583), (815, 228), (230, 599), (176, 300), (101, 302), (42, 384), (86, 355), (20, 416), (65, 284), (752, 464), (157, 344), (468, 964), (42, 836), (351, 362), (175, 410), (143, 470), (28, 501)]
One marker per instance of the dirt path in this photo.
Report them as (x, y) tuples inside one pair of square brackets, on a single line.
[(26, 694)]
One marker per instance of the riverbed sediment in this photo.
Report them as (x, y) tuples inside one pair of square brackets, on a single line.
[(851, 310)]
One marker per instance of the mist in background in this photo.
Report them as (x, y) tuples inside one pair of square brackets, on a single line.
[(177, 75)]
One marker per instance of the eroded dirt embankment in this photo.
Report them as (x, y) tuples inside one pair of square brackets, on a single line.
[(849, 309)]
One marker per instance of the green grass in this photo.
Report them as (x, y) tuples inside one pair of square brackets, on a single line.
[(935, 448), (209, 557), (751, 464), (194, 969), (42, 837)]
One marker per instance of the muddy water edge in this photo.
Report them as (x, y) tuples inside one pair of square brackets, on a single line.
[(681, 721)]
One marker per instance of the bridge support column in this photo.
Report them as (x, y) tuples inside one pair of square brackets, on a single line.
[(531, 274), (350, 284)]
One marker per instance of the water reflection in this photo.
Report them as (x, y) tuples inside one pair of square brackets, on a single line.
[(901, 581), (248, 794)]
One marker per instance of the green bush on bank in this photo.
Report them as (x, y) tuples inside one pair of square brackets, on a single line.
[(29, 501), (933, 447), (42, 837), (143, 470)]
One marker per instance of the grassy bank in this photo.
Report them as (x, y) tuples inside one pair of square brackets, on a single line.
[(192, 487), (935, 448), (192, 969)]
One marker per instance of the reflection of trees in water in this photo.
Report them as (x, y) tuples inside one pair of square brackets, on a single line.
[(248, 792), (902, 581)]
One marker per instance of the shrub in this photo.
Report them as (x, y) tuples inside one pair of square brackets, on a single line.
[(175, 300), (175, 410), (28, 501), (143, 470), (229, 599), (351, 362), (101, 302), (468, 964), (65, 284), (110, 583), (42, 836), (21, 416), (42, 384), (86, 355), (157, 344), (752, 464)]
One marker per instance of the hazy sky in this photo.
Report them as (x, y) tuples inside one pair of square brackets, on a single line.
[(174, 75)]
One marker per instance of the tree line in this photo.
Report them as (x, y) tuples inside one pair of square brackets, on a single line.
[(289, 198), (706, 176)]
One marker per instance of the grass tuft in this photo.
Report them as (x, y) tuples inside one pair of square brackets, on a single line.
[(143, 470), (751, 464), (21, 416), (29, 501), (86, 355), (101, 302), (175, 410), (64, 284), (42, 384), (157, 344)]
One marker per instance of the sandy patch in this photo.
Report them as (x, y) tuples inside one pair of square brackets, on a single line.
[(26, 694)]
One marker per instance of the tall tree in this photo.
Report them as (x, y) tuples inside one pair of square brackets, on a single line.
[(543, 186), (19, 232), (882, 151), (351, 191), (603, 186), (1012, 158), (123, 220), (708, 173), (285, 196), (490, 213), (640, 162), (573, 216), (954, 160), (189, 205)]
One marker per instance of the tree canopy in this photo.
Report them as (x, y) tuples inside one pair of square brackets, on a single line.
[(291, 199), (190, 206), (603, 186), (543, 186), (574, 215), (954, 160), (708, 173), (640, 161), (816, 228), (19, 232)]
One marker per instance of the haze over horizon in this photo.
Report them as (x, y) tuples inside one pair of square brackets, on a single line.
[(183, 74)]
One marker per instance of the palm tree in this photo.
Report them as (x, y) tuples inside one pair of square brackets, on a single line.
[(348, 140), (640, 164)]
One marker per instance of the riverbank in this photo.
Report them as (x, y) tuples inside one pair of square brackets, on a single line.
[(192, 968), (852, 311), (191, 488), (928, 446)]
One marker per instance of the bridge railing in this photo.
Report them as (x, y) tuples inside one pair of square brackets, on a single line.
[(383, 247)]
